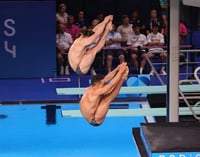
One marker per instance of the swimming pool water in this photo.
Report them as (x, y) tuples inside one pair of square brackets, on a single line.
[(24, 133)]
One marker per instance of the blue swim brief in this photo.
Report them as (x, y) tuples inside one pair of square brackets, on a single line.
[(78, 71), (94, 123)]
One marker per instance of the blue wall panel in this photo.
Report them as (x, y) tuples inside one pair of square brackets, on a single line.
[(27, 39), (196, 39)]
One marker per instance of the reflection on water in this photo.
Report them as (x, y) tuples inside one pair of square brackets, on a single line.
[(3, 116), (50, 113)]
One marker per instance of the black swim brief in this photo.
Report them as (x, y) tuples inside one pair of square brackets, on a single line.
[(94, 123), (78, 71)]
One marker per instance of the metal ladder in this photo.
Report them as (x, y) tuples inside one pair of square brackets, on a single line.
[(192, 96)]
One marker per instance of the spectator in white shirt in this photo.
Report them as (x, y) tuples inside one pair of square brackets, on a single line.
[(157, 39), (125, 29), (136, 41), (61, 15), (113, 45), (63, 43)]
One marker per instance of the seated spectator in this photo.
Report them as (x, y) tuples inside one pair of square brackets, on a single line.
[(61, 15), (125, 29), (113, 41), (72, 28), (135, 20), (63, 43), (154, 20), (136, 41), (157, 39), (81, 21)]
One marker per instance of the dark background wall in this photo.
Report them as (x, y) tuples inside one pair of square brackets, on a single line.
[(116, 7), (190, 15)]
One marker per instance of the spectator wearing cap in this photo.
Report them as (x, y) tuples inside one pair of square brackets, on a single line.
[(136, 41), (157, 39)]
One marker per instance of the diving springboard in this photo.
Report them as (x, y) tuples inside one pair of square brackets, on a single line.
[(134, 112), (133, 90)]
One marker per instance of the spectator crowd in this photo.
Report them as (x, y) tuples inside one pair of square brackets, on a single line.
[(129, 41)]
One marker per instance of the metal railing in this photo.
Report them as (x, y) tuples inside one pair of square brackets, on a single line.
[(187, 63)]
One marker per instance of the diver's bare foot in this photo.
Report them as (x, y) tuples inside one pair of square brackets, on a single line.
[(121, 65), (108, 18), (109, 26), (124, 77), (111, 17), (122, 69), (124, 63)]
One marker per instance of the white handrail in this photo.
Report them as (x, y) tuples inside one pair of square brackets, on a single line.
[(196, 74), (196, 116)]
